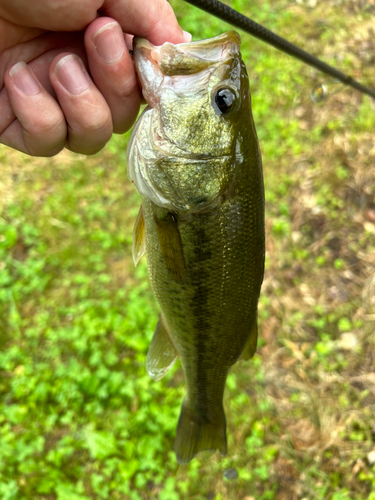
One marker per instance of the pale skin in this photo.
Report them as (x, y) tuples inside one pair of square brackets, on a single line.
[(67, 79)]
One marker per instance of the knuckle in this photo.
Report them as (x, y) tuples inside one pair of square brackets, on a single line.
[(47, 126), (75, 16), (127, 88), (77, 145), (46, 153), (45, 135), (97, 123), (91, 134), (123, 121), (162, 11)]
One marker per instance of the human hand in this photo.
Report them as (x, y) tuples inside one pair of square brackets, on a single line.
[(66, 76)]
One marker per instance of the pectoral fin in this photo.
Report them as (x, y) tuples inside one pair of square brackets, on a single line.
[(171, 245), (139, 240), (161, 353), (251, 344)]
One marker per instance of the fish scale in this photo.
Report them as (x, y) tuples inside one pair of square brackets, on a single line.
[(204, 240)]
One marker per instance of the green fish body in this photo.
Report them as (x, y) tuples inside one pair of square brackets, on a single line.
[(194, 158)]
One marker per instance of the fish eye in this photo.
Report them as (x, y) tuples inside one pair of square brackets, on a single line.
[(225, 99)]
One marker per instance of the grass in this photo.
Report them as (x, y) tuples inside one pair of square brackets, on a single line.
[(79, 417)]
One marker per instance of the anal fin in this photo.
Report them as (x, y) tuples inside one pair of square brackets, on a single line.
[(139, 240), (251, 344), (195, 434), (161, 354)]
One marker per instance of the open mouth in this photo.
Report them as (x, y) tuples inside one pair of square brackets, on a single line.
[(155, 63)]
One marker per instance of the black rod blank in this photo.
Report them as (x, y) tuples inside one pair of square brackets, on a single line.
[(231, 16)]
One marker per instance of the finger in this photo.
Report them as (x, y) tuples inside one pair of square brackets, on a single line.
[(12, 34), (40, 128), (34, 49), (154, 20), (112, 70), (85, 109), (40, 67), (68, 15)]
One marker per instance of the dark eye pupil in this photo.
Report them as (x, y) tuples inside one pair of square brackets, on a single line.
[(224, 99)]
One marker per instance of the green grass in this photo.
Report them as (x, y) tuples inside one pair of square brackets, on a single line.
[(80, 418)]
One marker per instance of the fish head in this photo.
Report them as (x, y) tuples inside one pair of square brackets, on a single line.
[(186, 146)]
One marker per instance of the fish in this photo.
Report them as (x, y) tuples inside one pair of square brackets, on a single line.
[(194, 158)]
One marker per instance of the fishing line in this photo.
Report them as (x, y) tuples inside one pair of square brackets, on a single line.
[(231, 16)]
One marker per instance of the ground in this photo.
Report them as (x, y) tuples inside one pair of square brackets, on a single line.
[(80, 419)]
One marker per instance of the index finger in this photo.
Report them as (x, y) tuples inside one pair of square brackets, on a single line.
[(154, 20)]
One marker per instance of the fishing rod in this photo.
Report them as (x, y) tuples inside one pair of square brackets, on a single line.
[(231, 16)]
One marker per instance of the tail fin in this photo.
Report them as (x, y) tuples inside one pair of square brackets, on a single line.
[(195, 434)]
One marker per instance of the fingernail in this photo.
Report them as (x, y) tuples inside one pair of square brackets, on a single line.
[(72, 74), (109, 43), (187, 36), (24, 79)]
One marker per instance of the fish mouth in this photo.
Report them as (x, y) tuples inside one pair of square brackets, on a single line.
[(155, 64)]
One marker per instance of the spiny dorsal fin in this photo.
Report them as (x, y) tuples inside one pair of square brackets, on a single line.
[(161, 353), (139, 240), (171, 245), (251, 344)]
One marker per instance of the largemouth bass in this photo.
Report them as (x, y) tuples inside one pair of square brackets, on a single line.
[(194, 158)]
